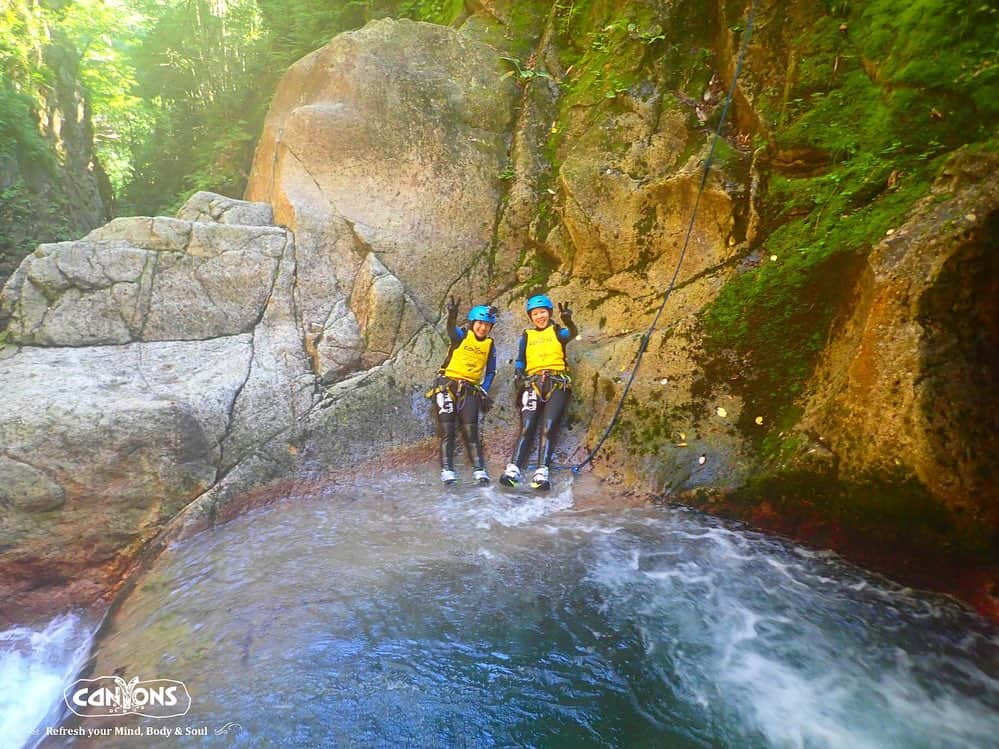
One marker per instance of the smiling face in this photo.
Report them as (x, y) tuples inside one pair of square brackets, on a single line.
[(481, 329), (540, 316)]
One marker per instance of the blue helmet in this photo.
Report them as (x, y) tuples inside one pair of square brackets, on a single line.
[(539, 301), (482, 313)]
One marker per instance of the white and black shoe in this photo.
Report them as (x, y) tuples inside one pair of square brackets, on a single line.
[(480, 476), (511, 476), (449, 477), (540, 479)]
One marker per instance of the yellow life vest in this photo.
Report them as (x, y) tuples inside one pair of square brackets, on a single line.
[(544, 351), (468, 359)]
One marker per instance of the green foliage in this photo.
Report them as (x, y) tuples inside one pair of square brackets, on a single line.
[(443, 12), (104, 36), (16, 210), (290, 30), (19, 133), (178, 89), (92, 38), (206, 72), (22, 211), (24, 33), (522, 71), (197, 71)]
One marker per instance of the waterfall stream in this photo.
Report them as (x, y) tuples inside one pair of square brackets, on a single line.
[(35, 666)]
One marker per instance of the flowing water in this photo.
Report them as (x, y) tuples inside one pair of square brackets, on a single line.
[(399, 614), (35, 666)]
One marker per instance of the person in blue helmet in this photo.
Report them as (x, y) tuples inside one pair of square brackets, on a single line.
[(461, 391), (542, 385)]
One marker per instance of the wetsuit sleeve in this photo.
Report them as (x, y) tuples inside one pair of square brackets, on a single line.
[(454, 333), (521, 362), (569, 332), (490, 368)]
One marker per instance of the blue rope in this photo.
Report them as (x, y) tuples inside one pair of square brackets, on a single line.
[(683, 251)]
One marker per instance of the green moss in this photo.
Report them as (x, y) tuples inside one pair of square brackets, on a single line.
[(824, 55), (874, 138), (946, 50), (547, 216), (776, 318), (780, 442), (606, 47), (542, 267), (919, 72), (651, 423), (725, 156), (527, 20), (774, 321), (609, 47)]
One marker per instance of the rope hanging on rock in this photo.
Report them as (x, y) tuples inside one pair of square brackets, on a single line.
[(683, 250)]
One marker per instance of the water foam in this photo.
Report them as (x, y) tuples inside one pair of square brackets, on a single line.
[(776, 647), (488, 506), (35, 667)]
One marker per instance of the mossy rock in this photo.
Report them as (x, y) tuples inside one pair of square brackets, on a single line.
[(894, 510)]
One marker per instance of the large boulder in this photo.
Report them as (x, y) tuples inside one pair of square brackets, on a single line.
[(101, 446), (207, 207), (141, 364), (144, 279), (382, 152)]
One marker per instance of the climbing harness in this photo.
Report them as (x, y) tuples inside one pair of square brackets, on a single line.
[(690, 227), (455, 390), (546, 382)]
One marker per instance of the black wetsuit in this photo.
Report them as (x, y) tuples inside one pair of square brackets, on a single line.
[(544, 400), (459, 401)]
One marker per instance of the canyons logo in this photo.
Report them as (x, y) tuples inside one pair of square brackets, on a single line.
[(112, 695)]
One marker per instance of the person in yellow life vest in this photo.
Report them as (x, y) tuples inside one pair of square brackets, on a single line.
[(542, 385), (461, 391)]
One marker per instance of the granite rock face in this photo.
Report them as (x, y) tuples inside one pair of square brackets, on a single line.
[(102, 445), (381, 152), (140, 364), (144, 279)]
